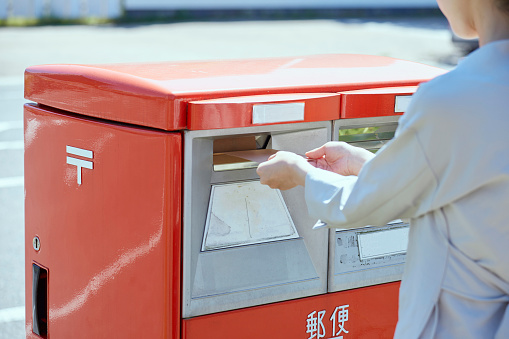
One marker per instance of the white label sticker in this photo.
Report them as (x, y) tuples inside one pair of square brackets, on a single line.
[(381, 243), (402, 103), (272, 113)]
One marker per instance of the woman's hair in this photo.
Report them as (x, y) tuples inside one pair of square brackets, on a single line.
[(503, 5)]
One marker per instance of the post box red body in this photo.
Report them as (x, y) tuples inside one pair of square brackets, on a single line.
[(108, 198)]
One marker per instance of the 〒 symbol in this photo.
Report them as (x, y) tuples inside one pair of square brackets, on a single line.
[(80, 163)]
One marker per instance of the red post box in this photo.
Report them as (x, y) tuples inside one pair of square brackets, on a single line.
[(145, 217)]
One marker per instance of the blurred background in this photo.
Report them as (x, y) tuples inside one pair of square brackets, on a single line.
[(114, 31), (114, 9)]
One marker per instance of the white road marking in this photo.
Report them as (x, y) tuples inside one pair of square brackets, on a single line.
[(12, 182), (12, 314), (8, 145), (7, 125)]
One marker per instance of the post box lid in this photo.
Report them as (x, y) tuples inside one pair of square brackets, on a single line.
[(156, 94)]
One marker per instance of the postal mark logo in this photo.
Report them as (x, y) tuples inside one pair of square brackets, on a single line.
[(73, 153)]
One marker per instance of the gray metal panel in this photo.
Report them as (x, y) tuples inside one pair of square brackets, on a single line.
[(347, 270), (250, 274), (244, 276)]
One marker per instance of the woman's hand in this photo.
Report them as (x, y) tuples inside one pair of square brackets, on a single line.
[(284, 170), (340, 157)]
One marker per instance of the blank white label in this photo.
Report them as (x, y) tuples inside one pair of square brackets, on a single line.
[(381, 243), (402, 103), (272, 113)]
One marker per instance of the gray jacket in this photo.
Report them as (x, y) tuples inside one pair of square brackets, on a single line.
[(447, 169)]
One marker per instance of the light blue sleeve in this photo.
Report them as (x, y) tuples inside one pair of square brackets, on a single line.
[(396, 183)]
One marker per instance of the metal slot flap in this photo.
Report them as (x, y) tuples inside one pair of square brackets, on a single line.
[(246, 213)]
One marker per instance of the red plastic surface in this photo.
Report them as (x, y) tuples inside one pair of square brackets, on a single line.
[(371, 312), (237, 111), (372, 102), (156, 95), (112, 244)]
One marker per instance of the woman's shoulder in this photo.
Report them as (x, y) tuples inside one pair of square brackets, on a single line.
[(439, 99), (448, 87), (481, 74)]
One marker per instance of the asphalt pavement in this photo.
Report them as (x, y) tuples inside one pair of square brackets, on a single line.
[(425, 40)]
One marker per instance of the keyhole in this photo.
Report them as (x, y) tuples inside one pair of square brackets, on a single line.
[(36, 243)]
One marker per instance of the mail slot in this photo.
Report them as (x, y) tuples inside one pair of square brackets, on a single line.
[(147, 218)]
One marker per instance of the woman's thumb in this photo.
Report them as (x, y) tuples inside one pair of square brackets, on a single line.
[(316, 153)]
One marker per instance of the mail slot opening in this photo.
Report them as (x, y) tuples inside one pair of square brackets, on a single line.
[(235, 153), (371, 138)]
